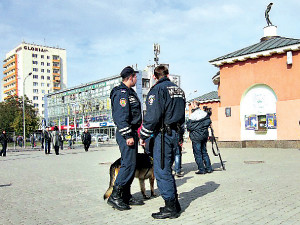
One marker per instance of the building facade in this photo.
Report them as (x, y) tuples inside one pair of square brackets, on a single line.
[(89, 106), (34, 70), (259, 90)]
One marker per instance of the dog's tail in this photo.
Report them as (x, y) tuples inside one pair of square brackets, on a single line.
[(113, 171)]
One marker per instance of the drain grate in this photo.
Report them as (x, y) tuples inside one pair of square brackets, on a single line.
[(254, 162)]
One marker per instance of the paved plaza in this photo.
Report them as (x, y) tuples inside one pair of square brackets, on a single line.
[(259, 186)]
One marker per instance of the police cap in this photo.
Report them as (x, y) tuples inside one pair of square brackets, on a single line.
[(127, 71)]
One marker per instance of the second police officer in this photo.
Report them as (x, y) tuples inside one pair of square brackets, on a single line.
[(163, 120), (126, 113)]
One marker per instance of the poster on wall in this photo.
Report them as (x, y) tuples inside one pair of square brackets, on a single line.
[(271, 121), (251, 122)]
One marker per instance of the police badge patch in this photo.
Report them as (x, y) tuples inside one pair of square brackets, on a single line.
[(123, 102), (151, 99)]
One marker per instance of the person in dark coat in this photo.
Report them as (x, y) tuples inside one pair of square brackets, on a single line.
[(197, 125), (47, 138), (86, 139), (4, 140), (163, 119), (56, 140), (127, 115)]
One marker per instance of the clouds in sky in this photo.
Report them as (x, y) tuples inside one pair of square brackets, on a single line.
[(103, 36)]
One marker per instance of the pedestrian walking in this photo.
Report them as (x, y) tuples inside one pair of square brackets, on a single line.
[(69, 139), (47, 138), (164, 116), (20, 141), (4, 141), (62, 139), (56, 140), (127, 115), (197, 125), (32, 140), (42, 140), (86, 139)]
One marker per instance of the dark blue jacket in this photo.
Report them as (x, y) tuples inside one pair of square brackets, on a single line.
[(197, 125), (166, 101), (126, 110)]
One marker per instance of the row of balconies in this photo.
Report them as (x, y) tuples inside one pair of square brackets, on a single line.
[(13, 60)]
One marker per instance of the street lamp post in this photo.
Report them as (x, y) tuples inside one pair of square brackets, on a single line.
[(24, 137)]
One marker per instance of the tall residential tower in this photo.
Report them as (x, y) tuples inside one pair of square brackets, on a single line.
[(34, 70)]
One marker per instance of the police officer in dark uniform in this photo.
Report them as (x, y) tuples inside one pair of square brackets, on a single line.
[(126, 113), (163, 120)]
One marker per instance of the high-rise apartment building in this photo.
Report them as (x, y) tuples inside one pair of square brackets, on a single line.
[(34, 70)]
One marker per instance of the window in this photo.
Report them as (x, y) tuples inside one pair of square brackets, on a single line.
[(55, 57), (35, 69), (43, 84), (35, 91), (36, 105), (48, 77), (35, 98), (42, 70), (35, 76), (48, 85), (43, 105), (146, 83), (48, 57), (43, 91), (48, 71), (42, 56), (34, 55), (42, 77), (35, 62), (42, 63), (43, 98), (35, 84), (48, 64)]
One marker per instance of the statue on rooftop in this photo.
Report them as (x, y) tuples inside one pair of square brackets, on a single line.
[(267, 14)]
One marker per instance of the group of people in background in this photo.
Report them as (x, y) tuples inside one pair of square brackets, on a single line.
[(48, 138)]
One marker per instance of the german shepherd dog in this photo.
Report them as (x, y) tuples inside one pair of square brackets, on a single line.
[(144, 170)]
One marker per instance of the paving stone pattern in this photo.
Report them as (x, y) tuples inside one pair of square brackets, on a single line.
[(68, 189)]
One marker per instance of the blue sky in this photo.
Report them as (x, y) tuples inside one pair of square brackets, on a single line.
[(103, 36)]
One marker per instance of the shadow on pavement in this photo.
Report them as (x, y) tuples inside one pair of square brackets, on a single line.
[(188, 167), (5, 185), (185, 198)]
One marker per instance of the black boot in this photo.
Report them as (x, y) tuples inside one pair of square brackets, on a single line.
[(177, 205), (116, 200), (171, 210), (129, 200)]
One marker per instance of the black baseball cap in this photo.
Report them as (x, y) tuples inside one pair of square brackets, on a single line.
[(127, 71)]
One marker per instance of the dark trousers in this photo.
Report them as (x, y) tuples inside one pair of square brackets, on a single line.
[(128, 161), (56, 149), (3, 151), (165, 180), (47, 147), (201, 156), (178, 157), (86, 146)]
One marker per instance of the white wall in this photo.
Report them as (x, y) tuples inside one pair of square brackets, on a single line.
[(259, 99)]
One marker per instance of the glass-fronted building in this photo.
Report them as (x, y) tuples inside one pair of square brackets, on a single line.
[(88, 105), (83, 106)]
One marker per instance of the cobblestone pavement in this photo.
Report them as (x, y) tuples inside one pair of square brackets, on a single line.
[(259, 186)]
